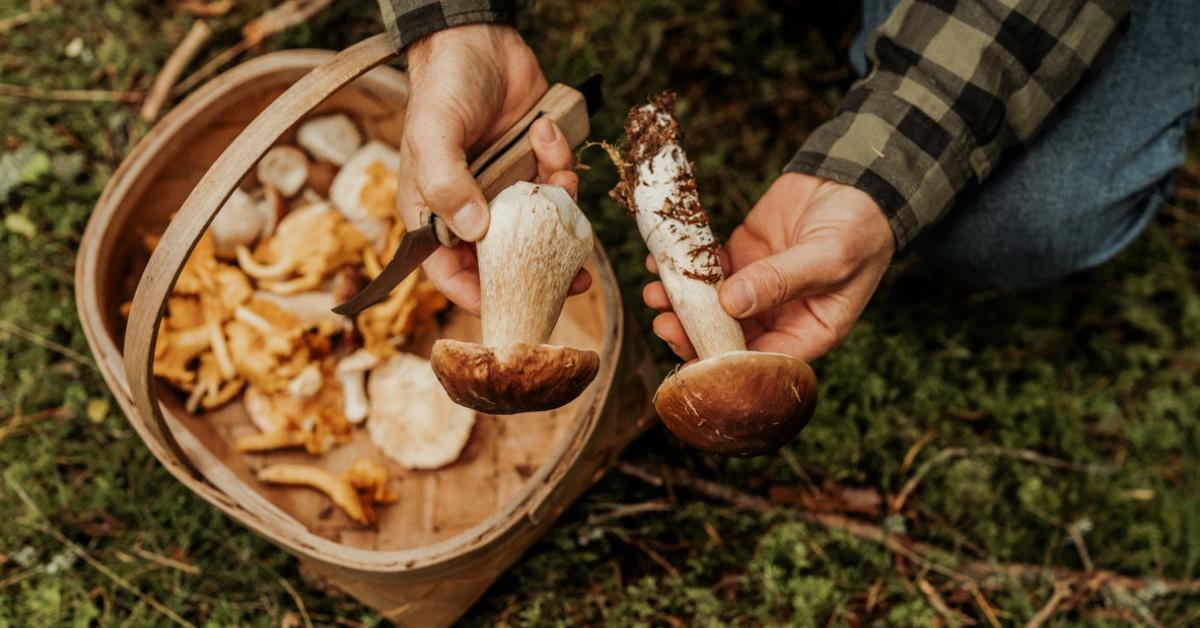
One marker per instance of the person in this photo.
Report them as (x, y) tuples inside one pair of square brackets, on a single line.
[(1012, 143)]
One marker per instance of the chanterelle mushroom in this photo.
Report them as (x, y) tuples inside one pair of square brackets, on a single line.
[(356, 491), (537, 242), (732, 401), (310, 242), (411, 419)]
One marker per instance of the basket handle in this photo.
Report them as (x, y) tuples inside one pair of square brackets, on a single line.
[(209, 195)]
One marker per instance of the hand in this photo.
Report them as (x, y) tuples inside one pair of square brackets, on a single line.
[(805, 262), (469, 85)]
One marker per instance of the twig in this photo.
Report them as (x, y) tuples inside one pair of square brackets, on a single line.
[(44, 525), (620, 511), (46, 343), (983, 572), (20, 420), (646, 549), (8, 90), (287, 586), (1075, 530), (1061, 591), (19, 19), (935, 600), (277, 19), (982, 602), (909, 457), (165, 561), (1025, 455), (179, 59), (198, 8)]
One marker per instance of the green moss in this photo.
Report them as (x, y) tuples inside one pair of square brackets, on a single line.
[(1099, 370)]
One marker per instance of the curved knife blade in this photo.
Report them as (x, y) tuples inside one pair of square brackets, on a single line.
[(416, 245)]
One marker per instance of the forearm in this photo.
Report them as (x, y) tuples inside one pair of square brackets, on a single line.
[(950, 91), (410, 20)]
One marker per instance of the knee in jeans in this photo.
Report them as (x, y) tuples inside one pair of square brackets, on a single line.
[(1030, 242)]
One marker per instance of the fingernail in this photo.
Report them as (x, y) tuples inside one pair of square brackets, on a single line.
[(470, 222), (739, 297), (547, 133)]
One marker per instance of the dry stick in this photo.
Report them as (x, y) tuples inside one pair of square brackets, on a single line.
[(935, 600), (46, 343), (287, 586), (1020, 454), (273, 21), (1061, 591), (165, 561), (179, 59), (1075, 531), (983, 572), (44, 525), (70, 95), (982, 602), (20, 19)]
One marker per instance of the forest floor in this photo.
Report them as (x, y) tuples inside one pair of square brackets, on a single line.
[(979, 456)]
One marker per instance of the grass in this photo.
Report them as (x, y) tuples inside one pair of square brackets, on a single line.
[(1098, 370)]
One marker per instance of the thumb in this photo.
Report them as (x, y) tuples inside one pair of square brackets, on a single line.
[(443, 177), (772, 281)]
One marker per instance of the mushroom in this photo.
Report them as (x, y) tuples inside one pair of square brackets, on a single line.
[(732, 401), (310, 242), (389, 324), (284, 168), (412, 420), (311, 308), (332, 138), (364, 190), (351, 372), (344, 490), (315, 422), (238, 223), (537, 242)]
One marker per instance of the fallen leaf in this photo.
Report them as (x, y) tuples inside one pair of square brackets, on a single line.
[(97, 410), (20, 224)]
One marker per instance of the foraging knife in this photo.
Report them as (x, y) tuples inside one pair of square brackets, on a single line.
[(508, 160)]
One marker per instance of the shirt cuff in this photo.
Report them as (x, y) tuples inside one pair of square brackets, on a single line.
[(911, 165), (409, 21)]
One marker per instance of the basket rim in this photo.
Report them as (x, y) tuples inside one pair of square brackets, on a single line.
[(526, 508)]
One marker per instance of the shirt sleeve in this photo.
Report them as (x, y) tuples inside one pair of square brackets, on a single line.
[(952, 86), (410, 20)]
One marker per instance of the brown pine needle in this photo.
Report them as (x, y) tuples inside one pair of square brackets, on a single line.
[(8, 90)]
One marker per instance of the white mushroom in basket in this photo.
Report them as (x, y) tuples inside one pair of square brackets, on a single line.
[(537, 242), (364, 190), (284, 168), (309, 243), (412, 420), (356, 491), (244, 219), (285, 419), (332, 138), (351, 372)]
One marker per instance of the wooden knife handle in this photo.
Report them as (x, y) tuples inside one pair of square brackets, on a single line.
[(511, 159)]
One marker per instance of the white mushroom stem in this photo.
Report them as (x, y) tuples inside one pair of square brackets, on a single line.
[(675, 228), (537, 242), (351, 372)]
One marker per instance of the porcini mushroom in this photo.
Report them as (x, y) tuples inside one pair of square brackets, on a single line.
[(332, 138), (537, 242), (732, 401), (284, 168), (412, 420)]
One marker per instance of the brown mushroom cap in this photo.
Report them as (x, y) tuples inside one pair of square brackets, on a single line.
[(742, 403), (517, 378)]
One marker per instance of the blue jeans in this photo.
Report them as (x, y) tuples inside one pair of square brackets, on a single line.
[(1096, 174)]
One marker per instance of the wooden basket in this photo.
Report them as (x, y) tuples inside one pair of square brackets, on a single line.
[(454, 530)]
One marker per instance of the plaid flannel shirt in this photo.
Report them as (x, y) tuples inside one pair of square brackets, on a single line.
[(410, 20), (954, 84)]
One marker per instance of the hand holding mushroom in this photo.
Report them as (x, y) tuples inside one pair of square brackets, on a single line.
[(536, 243), (732, 401)]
